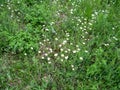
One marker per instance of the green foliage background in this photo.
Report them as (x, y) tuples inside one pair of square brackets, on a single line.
[(59, 44)]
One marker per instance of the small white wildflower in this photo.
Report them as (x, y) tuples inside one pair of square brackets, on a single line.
[(58, 13), (62, 55), (1, 5), (12, 11), (71, 43), (71, 11), (96, 13), (61, 60), (115, 38), (46, 54), (113, 28), (39, 51), (44, 40), (106, 44), (86, 51), (15, 10), (72, 66), (11, 16), (90, 24), (31, 48), (78, 49), (18, 20), (77, 46), (79, 20), (25, 54), (64, 42), (47, 48), (81, 28), (90, 28), (85, 19), (52, 23), (18, 2), (66, 51), (74, 51), (51, 50), (9, 8), (43, 57), (49, 62), (43, 25), (60, 45), (69, 50), (67, 34), (86, 32), (56, 54), (103, 11), (40, 43), (19, 13), (81, 58), (67, 39), (66, 57), (48, 58), (83, 36), (47, 29), (73, 69), (61, 49), (56, 39), (83, 43), (93, 15), (47, 39), (84, 29)]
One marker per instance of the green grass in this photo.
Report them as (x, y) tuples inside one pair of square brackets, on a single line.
[(59, 45)]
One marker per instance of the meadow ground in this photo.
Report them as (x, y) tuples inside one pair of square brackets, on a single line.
[(59, 44)]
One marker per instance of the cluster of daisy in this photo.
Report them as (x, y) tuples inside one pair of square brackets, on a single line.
[(57, 49)]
